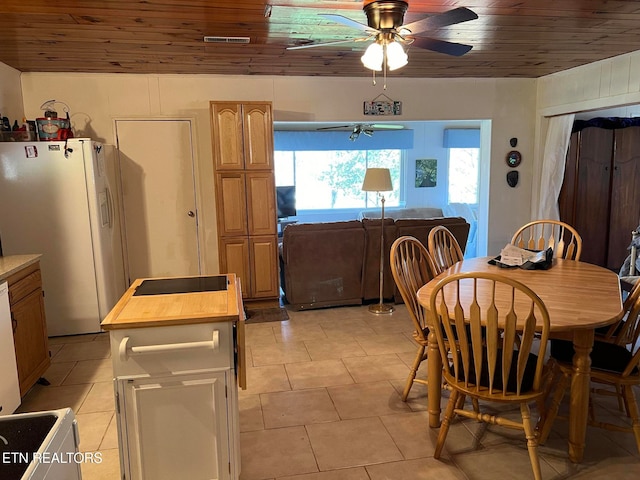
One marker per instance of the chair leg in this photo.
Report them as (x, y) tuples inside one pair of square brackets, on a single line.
[(414, 370), (449, 414), (542, 413), (550, 373), (621, 404), (630, 401), (552, 412), (592, 410), (532, 442)]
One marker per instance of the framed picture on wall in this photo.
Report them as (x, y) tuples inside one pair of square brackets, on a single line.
[(426, 172)]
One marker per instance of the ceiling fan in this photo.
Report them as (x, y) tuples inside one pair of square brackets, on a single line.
[(385, 28), (366, 129)]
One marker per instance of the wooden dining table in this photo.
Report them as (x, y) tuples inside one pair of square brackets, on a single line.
[(579, 297)]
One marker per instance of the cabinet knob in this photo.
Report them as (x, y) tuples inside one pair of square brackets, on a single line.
[(191, 214), (14, 322)]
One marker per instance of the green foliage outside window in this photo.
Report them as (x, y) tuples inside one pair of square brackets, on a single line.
[(333, 179)]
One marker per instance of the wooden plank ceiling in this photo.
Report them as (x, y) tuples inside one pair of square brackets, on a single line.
[(511, 38)]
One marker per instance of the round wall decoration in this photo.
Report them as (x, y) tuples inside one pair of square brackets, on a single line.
[(514, 158)]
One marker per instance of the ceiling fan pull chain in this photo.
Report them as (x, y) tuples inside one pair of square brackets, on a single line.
[(384, 67)]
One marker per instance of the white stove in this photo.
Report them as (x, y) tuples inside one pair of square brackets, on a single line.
[(41, 445)]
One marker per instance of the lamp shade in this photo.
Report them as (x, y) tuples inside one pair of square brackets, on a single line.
[(373, 57), (377, 180), (396, 57)]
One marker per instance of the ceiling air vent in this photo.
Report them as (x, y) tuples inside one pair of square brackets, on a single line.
[(227, 39)]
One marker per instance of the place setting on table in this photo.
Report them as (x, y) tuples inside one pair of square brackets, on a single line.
[(578, 297)]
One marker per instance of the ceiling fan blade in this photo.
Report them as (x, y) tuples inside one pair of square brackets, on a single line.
[(349, 22), (441, 46), (334, 127), (386, 126), (457, 15), (324, 44), (362, 126)]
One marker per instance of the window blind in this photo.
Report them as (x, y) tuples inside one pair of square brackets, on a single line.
[(461, 138), (339, 140)]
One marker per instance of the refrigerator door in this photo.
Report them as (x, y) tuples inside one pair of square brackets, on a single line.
[(44, 209), (104, 217)]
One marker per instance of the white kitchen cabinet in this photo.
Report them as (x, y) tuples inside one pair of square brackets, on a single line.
[(182, 423), (177, 363)]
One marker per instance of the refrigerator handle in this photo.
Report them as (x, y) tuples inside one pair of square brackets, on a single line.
[(110, 206)]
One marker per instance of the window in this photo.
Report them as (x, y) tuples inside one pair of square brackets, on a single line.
[(332, 179), (463, 175)]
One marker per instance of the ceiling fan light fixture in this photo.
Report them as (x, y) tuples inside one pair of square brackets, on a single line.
[(396, 56), (373, 57)]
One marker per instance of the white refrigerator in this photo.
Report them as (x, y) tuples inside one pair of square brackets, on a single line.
[(60, 199)]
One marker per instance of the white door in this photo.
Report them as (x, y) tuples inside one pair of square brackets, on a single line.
[(158, 196), (175, 426)]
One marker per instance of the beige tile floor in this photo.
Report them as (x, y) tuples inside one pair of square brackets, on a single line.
[(323, 404)]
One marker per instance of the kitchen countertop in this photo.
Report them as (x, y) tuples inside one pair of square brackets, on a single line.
[(14, 263), (166, 309)]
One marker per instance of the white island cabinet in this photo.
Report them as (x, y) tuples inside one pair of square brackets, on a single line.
[(177, 347)]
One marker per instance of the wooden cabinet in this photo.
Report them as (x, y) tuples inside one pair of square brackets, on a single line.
[(242, 136), (599, 195), (245, 196), (29, 325), (263, 266)]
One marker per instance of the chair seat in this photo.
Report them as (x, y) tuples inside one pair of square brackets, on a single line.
[(604, 356), (527, 381)]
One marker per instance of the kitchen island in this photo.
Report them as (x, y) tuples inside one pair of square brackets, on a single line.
[(177, 348)]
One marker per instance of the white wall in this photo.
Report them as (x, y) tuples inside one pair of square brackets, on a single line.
[(604, 84), (96, 100), (10, 94), (428, 143)]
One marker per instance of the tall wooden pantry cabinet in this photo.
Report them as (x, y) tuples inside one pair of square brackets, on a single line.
[(242, 135), (600, 195)]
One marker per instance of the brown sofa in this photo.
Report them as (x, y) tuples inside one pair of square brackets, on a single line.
[(338, 263)]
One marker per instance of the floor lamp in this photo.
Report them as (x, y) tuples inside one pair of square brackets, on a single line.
[(379, 180)]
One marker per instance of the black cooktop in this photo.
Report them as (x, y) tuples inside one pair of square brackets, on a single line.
[(24, 437), (163, 286)]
